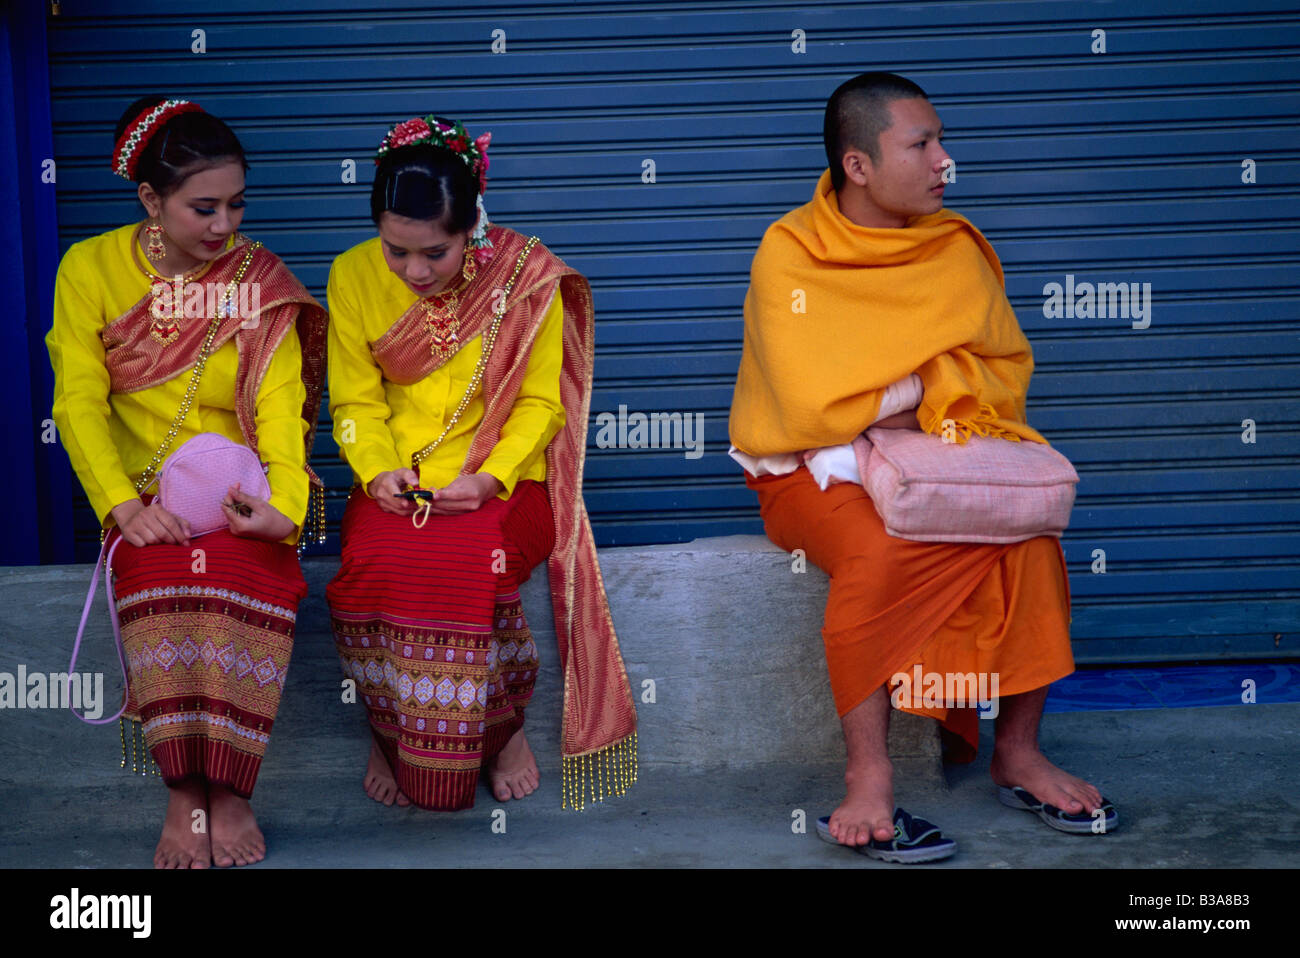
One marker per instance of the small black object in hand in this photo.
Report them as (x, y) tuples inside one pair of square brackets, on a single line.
[(413, 494)]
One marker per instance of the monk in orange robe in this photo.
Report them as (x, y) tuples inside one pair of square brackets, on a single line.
[(874, 305)]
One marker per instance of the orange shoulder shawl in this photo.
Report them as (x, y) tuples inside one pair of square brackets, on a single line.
[(836, 312)]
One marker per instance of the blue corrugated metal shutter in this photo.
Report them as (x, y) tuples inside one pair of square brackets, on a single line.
[(1122, 166)]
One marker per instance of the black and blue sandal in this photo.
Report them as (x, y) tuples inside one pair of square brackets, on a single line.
[(915, 840), (1081, 823)]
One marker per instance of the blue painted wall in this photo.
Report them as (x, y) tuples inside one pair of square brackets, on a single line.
[(38, 518), (1123, 165)]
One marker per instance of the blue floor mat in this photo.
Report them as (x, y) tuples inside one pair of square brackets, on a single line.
[(1099, 690)]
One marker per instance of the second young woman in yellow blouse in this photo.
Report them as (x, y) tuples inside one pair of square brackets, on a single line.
[(459, 382)]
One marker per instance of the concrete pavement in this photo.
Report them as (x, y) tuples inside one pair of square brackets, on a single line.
[(740, 744)]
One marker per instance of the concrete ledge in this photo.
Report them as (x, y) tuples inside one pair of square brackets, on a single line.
[(720, 630), (741, 744), (732, 638)]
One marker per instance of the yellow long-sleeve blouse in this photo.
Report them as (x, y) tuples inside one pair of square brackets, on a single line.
[(378, 424), (110, 437)]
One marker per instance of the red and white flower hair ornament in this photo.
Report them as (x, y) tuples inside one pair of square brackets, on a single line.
[(454, 138)]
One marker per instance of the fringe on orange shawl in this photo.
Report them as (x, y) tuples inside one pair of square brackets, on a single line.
[(827, 329)]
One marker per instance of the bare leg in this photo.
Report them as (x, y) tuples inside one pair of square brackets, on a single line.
[(380, 783), (236, 839), (1017, 759), (180, 845), (868, 808), (512, 772)]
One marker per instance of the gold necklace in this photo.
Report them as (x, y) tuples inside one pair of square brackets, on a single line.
[(148, 271), (151, 470), (166, 331), (489, 341), (441, 314), (443, 323)]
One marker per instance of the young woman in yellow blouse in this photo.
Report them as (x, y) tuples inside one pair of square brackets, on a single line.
[(207, 621), (460, 372)]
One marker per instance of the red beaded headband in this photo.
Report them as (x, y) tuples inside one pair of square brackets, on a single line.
[(126, 153)]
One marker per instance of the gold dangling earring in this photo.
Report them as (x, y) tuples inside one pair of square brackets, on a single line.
[(470, 267), (156, 250)]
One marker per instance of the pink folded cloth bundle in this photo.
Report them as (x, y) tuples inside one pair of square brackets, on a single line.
[(985, 490)]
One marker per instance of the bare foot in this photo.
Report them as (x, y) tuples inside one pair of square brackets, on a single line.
[(1029, 768), (868, 809), (180, 845), (236, 839), (512, 773), (379, 781)]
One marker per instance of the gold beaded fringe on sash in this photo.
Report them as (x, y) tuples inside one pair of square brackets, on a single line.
[(143, 763), (313, 523), (607, 771), (137, 730)]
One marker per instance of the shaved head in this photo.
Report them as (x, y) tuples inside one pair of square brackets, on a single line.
[(857, 113)]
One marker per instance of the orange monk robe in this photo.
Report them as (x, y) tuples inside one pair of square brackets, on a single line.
[(882, 303)]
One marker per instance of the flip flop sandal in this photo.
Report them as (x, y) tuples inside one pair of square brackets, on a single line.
[(1063, 821), (915, 840)]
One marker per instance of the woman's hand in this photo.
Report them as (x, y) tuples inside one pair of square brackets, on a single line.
[(385, 487), (143, 525), (255, 518), (465, 494)]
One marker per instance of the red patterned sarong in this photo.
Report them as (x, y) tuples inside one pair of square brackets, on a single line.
[(428, 623), (207, 638)]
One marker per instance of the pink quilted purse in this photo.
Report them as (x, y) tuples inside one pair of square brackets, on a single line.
[(985, 490), (196, 477), (191, 484)]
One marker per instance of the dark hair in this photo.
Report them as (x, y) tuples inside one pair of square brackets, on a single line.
[(857, 113), (426, 182), (183, 146)]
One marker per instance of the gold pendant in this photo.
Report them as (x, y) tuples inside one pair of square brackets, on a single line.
[(442, 343), (165, 333), (442, 322)]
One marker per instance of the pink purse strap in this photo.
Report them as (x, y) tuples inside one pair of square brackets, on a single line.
[(101, 562)]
